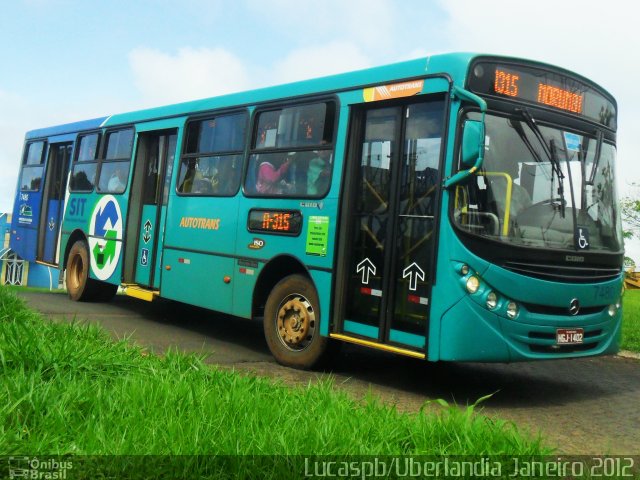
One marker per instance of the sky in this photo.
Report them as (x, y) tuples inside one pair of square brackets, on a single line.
[(66, 60)]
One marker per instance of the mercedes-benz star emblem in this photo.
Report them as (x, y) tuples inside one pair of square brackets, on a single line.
[(574, 306)]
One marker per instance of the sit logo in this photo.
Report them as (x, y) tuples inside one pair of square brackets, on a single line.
[(105, 237)]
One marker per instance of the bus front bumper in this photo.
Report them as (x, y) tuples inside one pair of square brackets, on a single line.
[(470, 332)]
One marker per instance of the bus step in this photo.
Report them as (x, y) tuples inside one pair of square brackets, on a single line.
[(142, 293), (47, 264), (379, 346)]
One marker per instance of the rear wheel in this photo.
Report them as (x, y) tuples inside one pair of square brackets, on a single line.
[(80, 286), (292, 324)]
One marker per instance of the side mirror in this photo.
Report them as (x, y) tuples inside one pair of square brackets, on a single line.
[(472, 139), (472, 142)]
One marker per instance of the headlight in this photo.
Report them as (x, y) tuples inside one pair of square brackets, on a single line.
[(512, 309), (613, 309), (492, 300), (473, 284), (464, 269)]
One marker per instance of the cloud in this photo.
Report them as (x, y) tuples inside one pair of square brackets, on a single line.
[(550, 30), (189, 74), (319, 60), (370, 23)]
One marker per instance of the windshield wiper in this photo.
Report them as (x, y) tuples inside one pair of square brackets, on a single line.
[(549, 152), (517, 126), (596, 159), (551, 155)]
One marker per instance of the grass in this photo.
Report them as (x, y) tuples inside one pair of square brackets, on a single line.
[(35, 289), (70, 390), (631, 321)]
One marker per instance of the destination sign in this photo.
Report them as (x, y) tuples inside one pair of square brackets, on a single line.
[(543, 87)]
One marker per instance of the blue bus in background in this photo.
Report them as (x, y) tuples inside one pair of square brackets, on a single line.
[(459, 207)]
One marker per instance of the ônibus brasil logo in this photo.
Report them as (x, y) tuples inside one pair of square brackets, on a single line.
[(105, 230)]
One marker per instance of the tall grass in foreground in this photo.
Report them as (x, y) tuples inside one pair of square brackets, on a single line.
[(69, 389), (631, 321)]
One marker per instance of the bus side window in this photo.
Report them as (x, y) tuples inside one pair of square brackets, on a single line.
[(212, 163), (292, 151), (32, 168), (85, 163), (114, 171)]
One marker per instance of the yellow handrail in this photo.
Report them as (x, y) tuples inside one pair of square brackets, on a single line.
[(507, 207)]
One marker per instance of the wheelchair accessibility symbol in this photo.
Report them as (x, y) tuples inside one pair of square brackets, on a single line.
[(582, 238)]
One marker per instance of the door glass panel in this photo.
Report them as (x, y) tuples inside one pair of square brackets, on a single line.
[(415, 227), (171, 155), (371, 216), (150, 187), (59, 157)]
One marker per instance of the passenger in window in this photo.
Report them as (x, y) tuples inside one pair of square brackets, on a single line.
[(187, 181), (206, 178), (271, 180), (318, 173), (229, 172), (117, 181)]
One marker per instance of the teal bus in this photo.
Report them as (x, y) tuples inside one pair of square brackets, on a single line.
[(459, 207)]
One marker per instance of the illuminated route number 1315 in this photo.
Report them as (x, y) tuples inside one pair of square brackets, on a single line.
[(506, 83)]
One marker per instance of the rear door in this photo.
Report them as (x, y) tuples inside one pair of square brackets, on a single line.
[(53, 201), (152, 176)]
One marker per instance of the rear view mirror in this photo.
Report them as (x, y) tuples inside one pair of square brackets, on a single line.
[(472, 142), (472, 139)]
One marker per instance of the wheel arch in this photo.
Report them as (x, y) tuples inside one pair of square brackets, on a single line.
[(275, 270), (73, 238)]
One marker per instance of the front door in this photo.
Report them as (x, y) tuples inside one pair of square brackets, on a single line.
[(154, 162), (391, 222), (53, 201)]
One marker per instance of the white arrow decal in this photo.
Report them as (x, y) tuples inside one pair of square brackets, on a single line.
[(415, 273), (366, 267)]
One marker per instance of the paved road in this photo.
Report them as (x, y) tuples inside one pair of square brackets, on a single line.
[(589, 406)]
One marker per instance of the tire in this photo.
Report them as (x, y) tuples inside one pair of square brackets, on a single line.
[(104, 292), (80, 287), (292, 324)]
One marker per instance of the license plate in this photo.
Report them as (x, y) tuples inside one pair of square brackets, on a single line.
[(569, 336)]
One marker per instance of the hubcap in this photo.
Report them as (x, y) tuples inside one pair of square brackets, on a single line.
[(296, 322)]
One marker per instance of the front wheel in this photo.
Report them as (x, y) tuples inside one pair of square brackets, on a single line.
[(292, 324)]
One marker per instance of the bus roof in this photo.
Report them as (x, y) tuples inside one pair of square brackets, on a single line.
[(66, 128)]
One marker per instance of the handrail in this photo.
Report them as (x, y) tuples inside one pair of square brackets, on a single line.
[(508, 195)]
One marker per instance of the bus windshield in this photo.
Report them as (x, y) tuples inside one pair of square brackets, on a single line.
[(542, 186)]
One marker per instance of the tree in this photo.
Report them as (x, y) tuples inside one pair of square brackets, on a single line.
[(630, 211)]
